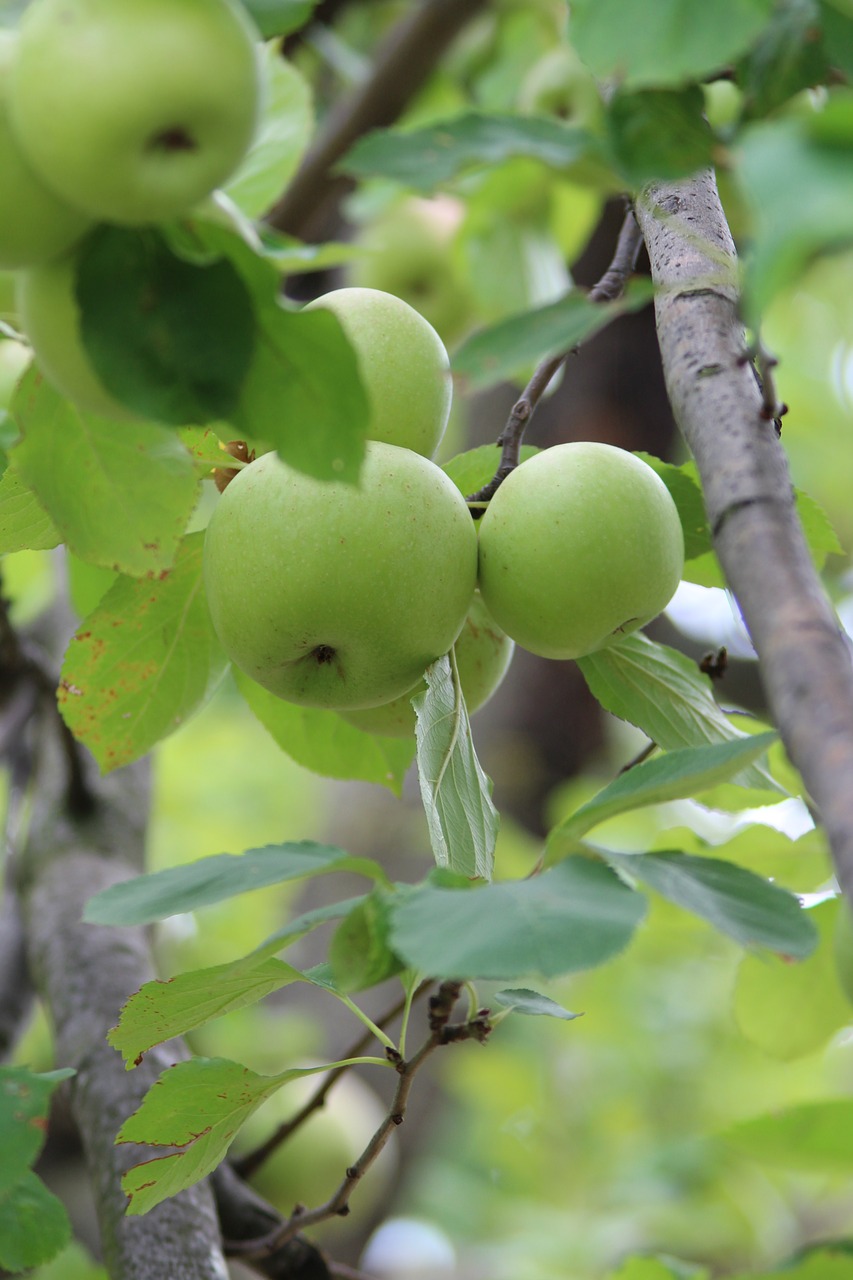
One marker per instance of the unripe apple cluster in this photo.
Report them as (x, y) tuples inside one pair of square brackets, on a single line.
[(339, 596), (111, 111)]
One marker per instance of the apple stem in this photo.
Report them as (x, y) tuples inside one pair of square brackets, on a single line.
[(610, 286)]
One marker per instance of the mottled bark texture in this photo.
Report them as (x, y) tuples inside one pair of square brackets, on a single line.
[(805, 658), (84, 973)]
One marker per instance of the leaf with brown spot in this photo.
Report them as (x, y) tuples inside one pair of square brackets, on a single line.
[(145, 660)]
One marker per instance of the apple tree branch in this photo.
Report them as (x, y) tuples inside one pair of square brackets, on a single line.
[(804, 656)]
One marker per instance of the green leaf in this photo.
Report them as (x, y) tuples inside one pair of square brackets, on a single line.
[(658, 133), (428, 158), (666, 42), (326, 743), (463, 822), (24, 1104), (473, 469), (293, 931), (359, 954), (648, 1268), (143, 662), (814, 1136), (789, 1010), (198, 1105), (303, 394), (738, 903), (776, 163), (820, 536), (532, 1003), (34, 1226), (665, 694), (279, 17), (119, 493), (224, 875), (279, 143), (171, 339), (160, 1010), (573, 917), (490, 355), (671, 776), (24, 523), (788, 57)]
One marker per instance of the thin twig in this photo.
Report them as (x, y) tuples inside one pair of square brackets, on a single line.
[(442, 1032), (610, 286), (248, 1164), (402, 66)]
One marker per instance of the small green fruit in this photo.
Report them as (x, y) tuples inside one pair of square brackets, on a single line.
[(842, 945), (35, 225), (559, 84), (50, 317), (483, 654), (408, 252), (403, 364), (336, 595), (580, 545), (133, 111)]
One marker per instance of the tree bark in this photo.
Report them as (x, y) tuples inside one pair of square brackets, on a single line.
[(84, 973), (804, 656)]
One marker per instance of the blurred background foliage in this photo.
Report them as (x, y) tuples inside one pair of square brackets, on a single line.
[(562, 1147)]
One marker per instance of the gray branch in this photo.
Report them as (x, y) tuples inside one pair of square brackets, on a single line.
[(84, 973), (402, 66), (804, 656)]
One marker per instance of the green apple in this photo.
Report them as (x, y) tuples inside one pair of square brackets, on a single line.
[(409, 252), (403, 364), (580, 545), (559, 84), (336, 595), (7, 297), (483, 654), (49, 314), (133, 110), (35, 224), (14, 358)]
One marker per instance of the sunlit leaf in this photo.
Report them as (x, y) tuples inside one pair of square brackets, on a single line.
[(119, 494), (427, 158), (671, 776), (814, 1136), (664, 693), (327, 744), (735, 901), (790, 1010), (24, 523), (777, 162), (532, 1003), (143, 662), (199, 1106), (282, 137), (224, 875), (575, 916), (161, 1010), (462, 821), (473, 469)]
